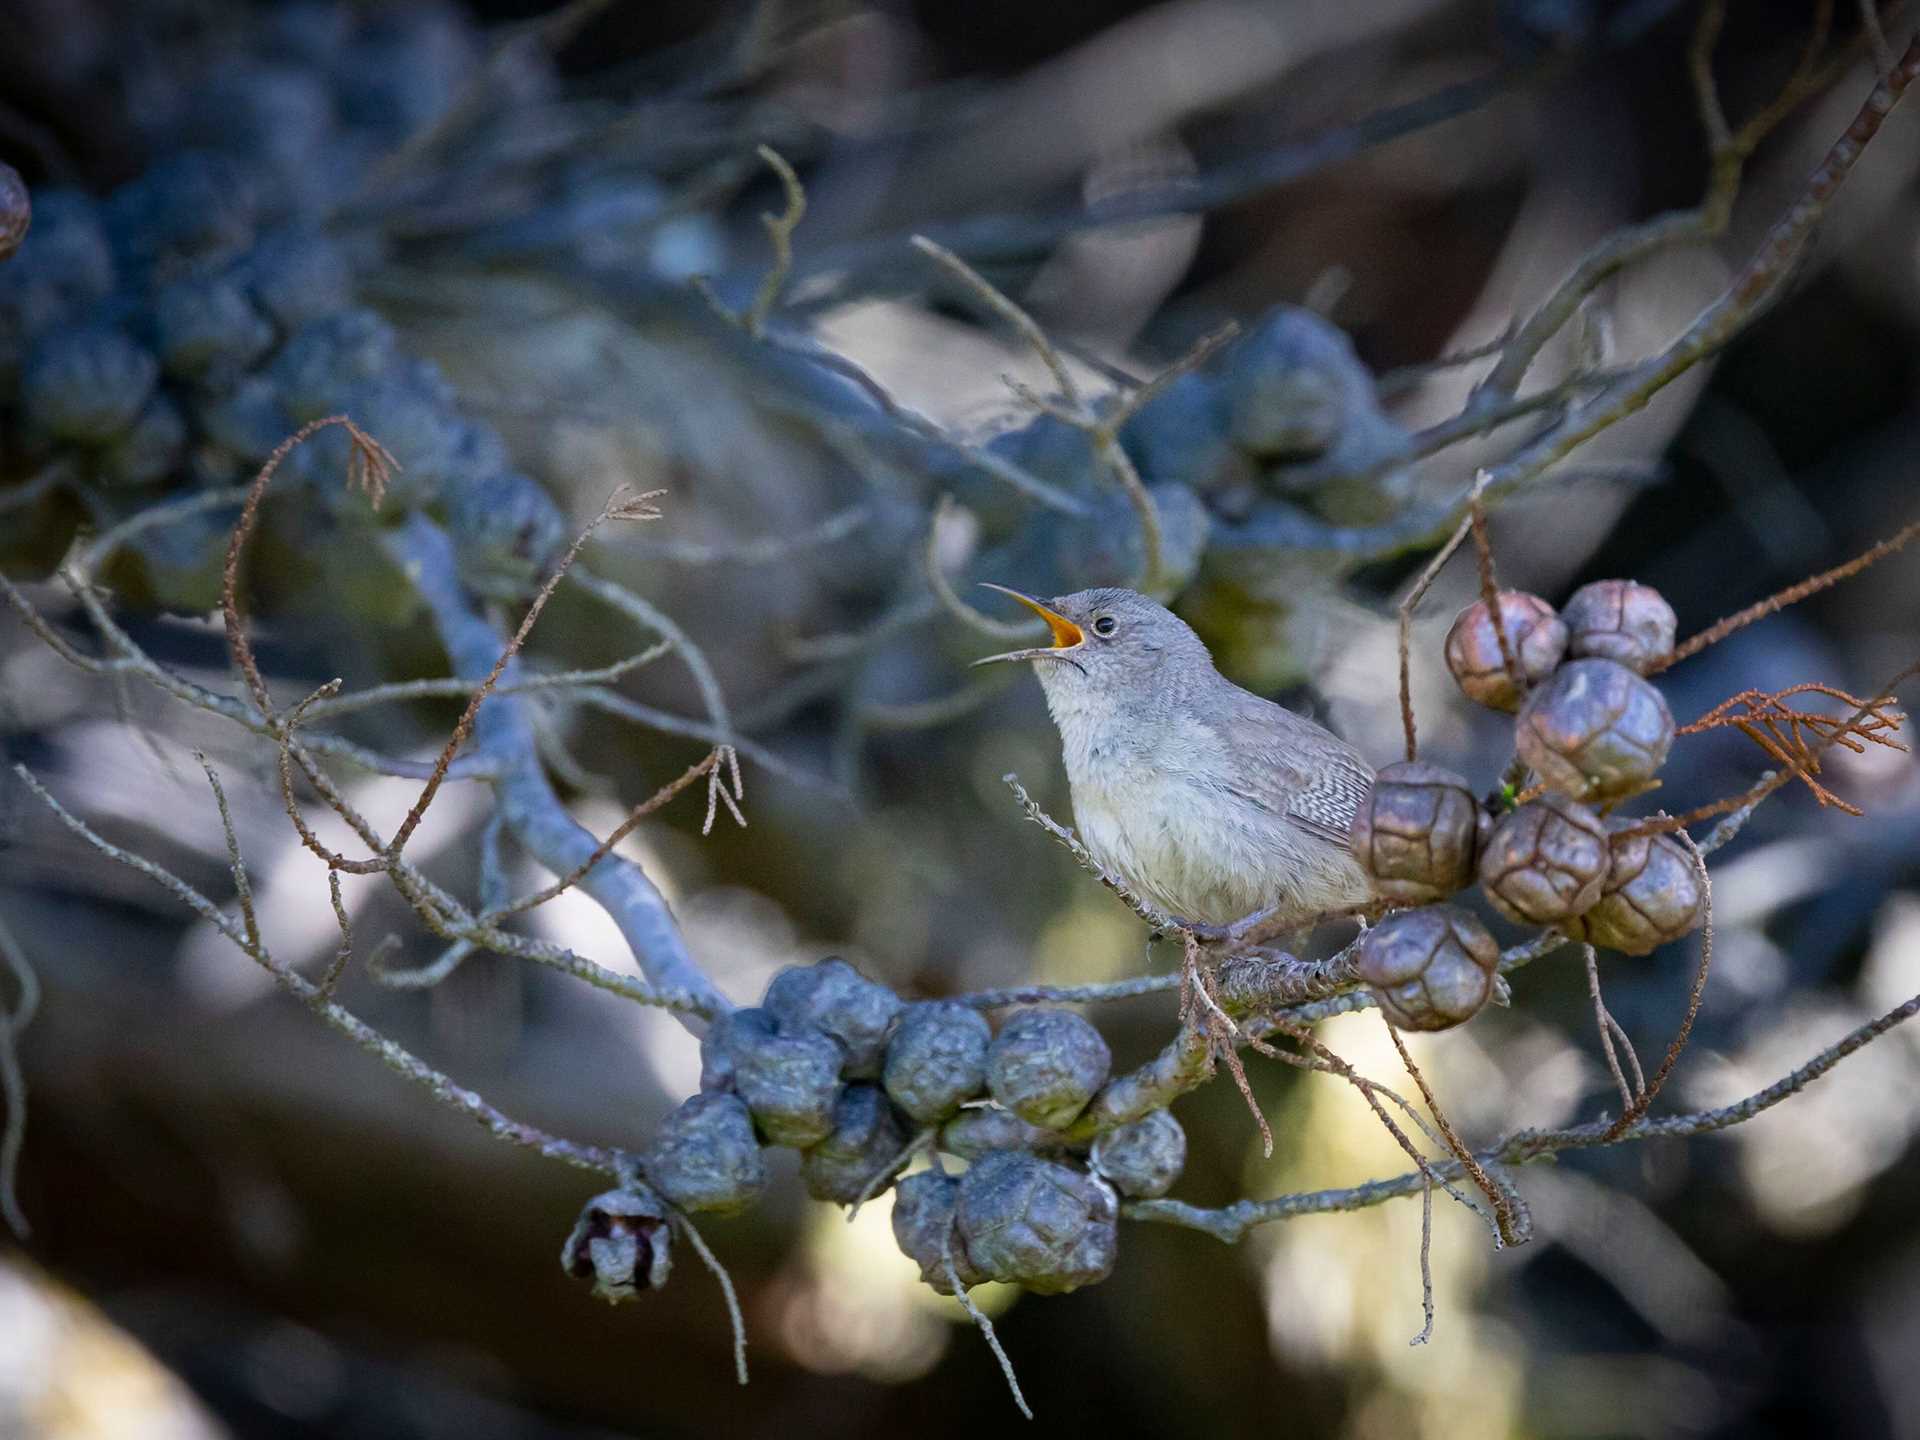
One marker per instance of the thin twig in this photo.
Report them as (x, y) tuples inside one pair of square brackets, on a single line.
[(979, 1318), (1793, 594), (727, 1292), (780, 230), (1650, 1091), (1231, 1223)]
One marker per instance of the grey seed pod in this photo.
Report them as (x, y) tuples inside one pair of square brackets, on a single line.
[(149, 450), (923, 1224), (705, 1156), (1546, 862), (208, 326), (1036, 1223), (937, 1058), (1417, 833), (1535, 634), (1620, 620), (787, 1078), (1291, 384), (981, 1129), (1144, 1158), (1431, 968), (867, 1136), (85, 383), (622, 1242), (1045, 1065), (1595, 730), (327, 357), (1652, 895), (836, 999)]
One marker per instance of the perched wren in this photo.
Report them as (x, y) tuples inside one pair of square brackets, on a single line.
[(1210, 802)]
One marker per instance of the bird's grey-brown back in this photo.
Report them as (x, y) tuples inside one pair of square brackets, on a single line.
[(1208, 800)]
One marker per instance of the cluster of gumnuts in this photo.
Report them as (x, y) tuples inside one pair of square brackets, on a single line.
[(837, 1067), (1590, 730), (167, 336), (1286, 415)]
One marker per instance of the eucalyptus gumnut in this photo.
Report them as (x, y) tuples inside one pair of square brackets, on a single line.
[(1037, 1223), (1619, 620), (1546, 862), (1417, 832), (1431, 968), (1595, 729), (1045, 1065), (1652, 895), (981, 1129), (866, 1138), (837, 1000), (788, 1078), (1536, 636), (937, 1058), (924, 1206), (622, 1242), (1143, 1158), (705, 1156)]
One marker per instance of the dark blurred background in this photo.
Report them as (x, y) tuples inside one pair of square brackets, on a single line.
[(244, 1227)]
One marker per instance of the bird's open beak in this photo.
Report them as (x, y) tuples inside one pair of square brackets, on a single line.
[(1066, 634)]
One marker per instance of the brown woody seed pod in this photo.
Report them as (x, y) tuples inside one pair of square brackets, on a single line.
[(1546, 862), (1652, 895), (1594, 730), (1619, 620), (1535, 634), (1431, 968), (1417, 832)]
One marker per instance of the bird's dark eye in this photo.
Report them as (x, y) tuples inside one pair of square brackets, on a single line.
[(1104, 625)]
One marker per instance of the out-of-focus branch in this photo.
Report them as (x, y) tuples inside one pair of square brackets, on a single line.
[(503, 730), (395, 1056), (1752, 289)]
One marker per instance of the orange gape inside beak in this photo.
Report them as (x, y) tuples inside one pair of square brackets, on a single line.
[(1065, 632)]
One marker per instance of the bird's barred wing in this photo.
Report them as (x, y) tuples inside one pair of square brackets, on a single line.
[(1298, 769)]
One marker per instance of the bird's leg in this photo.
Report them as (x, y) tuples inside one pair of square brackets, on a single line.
[(1200, 1009), (1230, 934)]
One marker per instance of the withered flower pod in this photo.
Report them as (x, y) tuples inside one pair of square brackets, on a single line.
[(1417, 832), (621, 1242), (1535, 634), (1652, 895), (1546, 862), (1430, 968), (1619, 620), (1595, 730), (1036, 1223)]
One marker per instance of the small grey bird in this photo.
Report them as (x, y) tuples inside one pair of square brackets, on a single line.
[(1210, 802)]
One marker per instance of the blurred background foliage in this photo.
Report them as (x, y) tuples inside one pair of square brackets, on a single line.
[(275, 1238)]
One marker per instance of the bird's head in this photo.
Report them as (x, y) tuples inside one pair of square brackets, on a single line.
[(1109, 647)]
